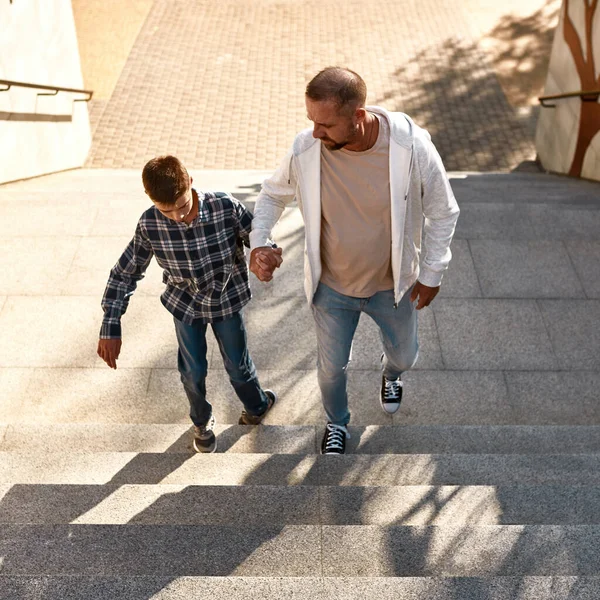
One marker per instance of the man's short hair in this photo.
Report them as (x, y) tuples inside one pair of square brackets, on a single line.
[(342, 86), (165, 179)]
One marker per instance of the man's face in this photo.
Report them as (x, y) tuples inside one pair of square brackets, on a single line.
[(180, 210), (334, 127)]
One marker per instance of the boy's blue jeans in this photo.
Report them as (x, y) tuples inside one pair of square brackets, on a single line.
[(336, 317), (193, 366)]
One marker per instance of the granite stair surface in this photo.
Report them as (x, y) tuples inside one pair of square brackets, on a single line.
[(485, 485)]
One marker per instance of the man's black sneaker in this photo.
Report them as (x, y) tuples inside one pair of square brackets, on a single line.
[(204, 437), (334, 440), (391, 394), (246, 419)]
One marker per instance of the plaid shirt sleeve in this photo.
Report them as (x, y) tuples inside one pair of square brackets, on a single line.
[(244, 217), (122, 282)]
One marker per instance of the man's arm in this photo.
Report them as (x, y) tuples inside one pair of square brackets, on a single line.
[(264, 260), (277, 192), (440, 211), (121, 284)]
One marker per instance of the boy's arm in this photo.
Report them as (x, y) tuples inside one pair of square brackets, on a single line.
[(122, 282)]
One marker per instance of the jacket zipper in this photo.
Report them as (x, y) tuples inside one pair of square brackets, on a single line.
[(410, 168)]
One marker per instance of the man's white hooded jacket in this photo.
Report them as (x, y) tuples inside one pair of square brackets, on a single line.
[(423, 207)]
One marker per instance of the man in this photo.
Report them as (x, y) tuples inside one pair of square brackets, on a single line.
[(371, 187)]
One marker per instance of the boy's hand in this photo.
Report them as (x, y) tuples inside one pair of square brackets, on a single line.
[(264, 261), (108, 351)]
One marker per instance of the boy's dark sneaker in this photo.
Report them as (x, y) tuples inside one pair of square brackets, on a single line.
[(204, 437), (247, 419), (334, 440), (391, 394)]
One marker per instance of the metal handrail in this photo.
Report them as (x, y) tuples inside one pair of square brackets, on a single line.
[(53, 88), (590, 96)]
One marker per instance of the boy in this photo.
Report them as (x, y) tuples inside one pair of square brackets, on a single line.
[(198, 239)]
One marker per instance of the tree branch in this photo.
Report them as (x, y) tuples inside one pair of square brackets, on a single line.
[(589, 20), (574, 43)]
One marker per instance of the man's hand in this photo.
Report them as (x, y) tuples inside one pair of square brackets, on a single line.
[(425, 294), (108, 351), (264, 260)]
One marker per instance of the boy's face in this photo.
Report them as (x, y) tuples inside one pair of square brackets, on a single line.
[(181, 209)]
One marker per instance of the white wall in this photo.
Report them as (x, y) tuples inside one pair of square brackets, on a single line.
[(558, 128), (38, 44)]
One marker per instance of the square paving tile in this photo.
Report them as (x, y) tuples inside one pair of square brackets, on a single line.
[(40, 331), (35, 265), (565, 222), (86, 395), (493, 221), (574, 331), (586, 258), (454, 398), (493, 334), (512, 269), (91, 265), (563, 398), (460, 281)]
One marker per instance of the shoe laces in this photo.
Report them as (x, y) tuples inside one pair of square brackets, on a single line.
[(335, 437), (392, 389), (205, 430)]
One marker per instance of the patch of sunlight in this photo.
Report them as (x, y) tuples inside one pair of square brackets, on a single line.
[(125, 503), (4, 489), (170, 590), (519, 46), (425, 505), (473, 505), (368, 434), (106, 33), (300, 472), (468, 549)]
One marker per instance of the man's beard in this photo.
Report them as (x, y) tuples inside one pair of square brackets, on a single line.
[(339, 145)]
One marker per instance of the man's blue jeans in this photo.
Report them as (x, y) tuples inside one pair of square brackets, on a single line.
[(336, 318), (193, 366)]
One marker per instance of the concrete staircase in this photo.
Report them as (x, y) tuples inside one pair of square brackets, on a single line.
[(486, 484)]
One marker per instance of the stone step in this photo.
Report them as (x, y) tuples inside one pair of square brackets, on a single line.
[(299, 588), (291, 439), (300, 550), (299, 505), (171, 438), (294, 469)]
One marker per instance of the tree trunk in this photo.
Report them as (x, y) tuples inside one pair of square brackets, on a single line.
[(589, 125)]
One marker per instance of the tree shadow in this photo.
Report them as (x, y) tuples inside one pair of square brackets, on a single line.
[(452, 89), (520, 48)]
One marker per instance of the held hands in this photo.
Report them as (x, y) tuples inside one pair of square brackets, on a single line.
[(264, 260), (425, 294), (108, 351)]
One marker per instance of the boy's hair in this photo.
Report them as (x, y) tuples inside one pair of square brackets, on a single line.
[(342, 86), (165, 179)]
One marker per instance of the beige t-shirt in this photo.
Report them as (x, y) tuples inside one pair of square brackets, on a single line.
[(356, 236)]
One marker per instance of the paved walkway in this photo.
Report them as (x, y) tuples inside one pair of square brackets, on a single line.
[(513, 338), (220, 84)]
